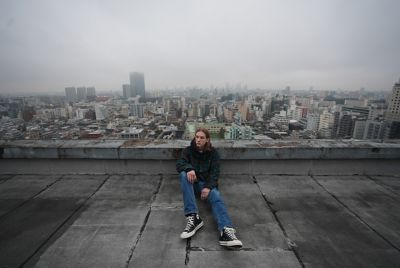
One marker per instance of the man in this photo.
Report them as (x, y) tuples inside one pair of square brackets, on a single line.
[(198, 169)]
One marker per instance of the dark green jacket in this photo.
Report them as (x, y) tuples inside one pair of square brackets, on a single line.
[(205, 164)]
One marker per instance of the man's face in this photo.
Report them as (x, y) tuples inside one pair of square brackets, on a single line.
[(201, 140)]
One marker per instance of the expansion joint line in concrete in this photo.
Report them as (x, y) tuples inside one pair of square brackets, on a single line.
[(356, 215), (32, 197), (64, 222), (384, 186), (146, 219), (291, 244)]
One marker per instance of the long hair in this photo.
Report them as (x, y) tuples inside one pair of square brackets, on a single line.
[(208, 146)]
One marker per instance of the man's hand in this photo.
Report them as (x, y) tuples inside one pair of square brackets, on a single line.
[(204, 193), (191, 176)]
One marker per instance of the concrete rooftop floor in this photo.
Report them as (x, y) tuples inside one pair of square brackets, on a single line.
[(135, 221)]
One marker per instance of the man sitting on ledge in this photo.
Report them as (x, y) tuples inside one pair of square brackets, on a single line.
[(199, 171)]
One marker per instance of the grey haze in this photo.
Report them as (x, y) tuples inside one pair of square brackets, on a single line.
[(46, 45)]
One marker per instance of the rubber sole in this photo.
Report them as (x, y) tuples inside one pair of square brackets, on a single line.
[(231, 244), (192, 233)]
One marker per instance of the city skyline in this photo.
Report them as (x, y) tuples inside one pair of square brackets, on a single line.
[(82, 114), (264, 44)]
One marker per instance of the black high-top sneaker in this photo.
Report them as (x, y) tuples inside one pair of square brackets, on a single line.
[(194, 223), (229, 239)]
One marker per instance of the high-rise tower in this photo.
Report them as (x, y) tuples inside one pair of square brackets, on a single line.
[(137, 84), (81, 93), (70, 94), (126, 91), (392, 116), (393, 112), (91, 92)]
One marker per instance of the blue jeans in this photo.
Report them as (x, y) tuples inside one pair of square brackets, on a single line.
[(214, 198)]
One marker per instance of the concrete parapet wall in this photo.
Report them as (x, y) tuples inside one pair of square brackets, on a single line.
[(320, 157), (170, 150), (154, 167)]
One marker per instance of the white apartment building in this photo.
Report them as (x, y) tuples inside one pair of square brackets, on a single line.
[(101, 112), (326, 120), (359, 129), (374, 130), (312, 122), (393, 112), (237, 132), (281, 120)]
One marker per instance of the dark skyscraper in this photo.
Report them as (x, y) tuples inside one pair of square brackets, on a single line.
[(346, 126), (137, 84)]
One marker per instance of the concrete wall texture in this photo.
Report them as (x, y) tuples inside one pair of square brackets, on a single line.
[(319, 157)]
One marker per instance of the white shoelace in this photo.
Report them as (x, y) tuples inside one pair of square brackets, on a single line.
[(190, 223), (231, 233)]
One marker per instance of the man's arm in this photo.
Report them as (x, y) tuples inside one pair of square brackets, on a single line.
[(183, 163)]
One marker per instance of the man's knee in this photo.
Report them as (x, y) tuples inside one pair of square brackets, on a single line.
[(183, 177), (214, 195)]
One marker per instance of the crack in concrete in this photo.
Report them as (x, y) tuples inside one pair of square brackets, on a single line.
[(161, 207), (356, 215), (201, 249), (6, 179), (291, 244), (386, 187), (64, 222), (188, 249), (146, 219)]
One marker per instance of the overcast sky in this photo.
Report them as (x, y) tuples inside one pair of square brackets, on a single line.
[(47, 45)]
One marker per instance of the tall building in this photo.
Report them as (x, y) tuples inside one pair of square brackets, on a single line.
[(137, 84), (80, 113), (312, 122), (326, 121), (70, 94), (375, 112), (394, 132), (346, 126), (393, 112), (243, 108), (281, 120), (101, 112), (374, 130), (392, 116), (362, 111), (137, 109), (335, 127), (266, 107), (91, 92), (359, 129), (305, 101), (228, 114), (126, 91), (81, 93)]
